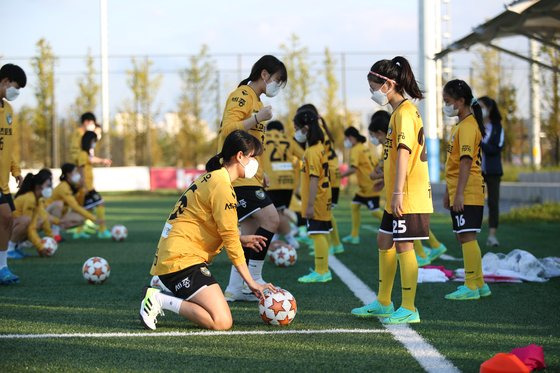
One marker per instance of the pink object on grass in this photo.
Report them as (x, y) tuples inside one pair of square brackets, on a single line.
[(532, 356)]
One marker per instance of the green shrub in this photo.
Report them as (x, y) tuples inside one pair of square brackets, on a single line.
[(549, 212)]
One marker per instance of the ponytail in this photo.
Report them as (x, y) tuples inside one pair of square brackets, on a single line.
[(26, 185), (459, 89), (397, 70), (237, 141), (269, 63), (353, 132), (31, 181), (214, 163), (66, 168)]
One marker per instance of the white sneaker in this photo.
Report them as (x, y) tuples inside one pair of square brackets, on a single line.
[(492, 241), (25, 244), (292, 241), (150, 308), (240, 295)]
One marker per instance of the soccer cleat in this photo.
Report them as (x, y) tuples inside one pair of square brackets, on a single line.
[(484, 291), (78, 235), (290, 240), (89, 223), (150, 308), (402, 316), (240, 296), (16, 253), (422, 261), (374, 309), (351, 240), (25, 244), (7, 277), (104, 234), (492, 241), (315, 277), (463, 293), (437, 252), (339, 249)]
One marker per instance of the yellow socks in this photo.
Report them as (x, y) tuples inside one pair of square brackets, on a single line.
[(409, 278), (433, 241), (100, 212), (473, 264), (321, 253), (419, 249), (334, 237), (378, 214), (387, 271), (355, 220)]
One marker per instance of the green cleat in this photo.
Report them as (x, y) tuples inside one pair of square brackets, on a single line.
[(315, 277), (374, 309), (104, 234), (484, 291), (150, 308), (463, 293), (351, 240), (423, 261), (338, 249), (78, 235), (402, 316), (437, 252)]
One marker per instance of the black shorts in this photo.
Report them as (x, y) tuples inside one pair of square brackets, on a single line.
[(469, 220), (409, 228), (7, 198), (335, 192), (250, 199), (280, 197), (92, 199), (318, 226), (187, 282), (372, 203)]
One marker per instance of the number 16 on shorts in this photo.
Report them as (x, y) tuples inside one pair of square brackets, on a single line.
[(468, 220)]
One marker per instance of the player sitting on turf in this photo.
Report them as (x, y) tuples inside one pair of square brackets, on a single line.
[(63, 203), (464, 192), (30, 213), (86, 160), (378, 127), (202, 223)]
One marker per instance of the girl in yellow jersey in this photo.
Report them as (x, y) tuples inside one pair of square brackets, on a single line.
[(362, 163), (202, 223), (30, 212), (316, 197), (64, 204), (464, 193), (257, 214), (407, 190), (86, 160)]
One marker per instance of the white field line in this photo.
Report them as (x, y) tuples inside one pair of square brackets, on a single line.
[(191, 334), (426, 354), (370, 228)]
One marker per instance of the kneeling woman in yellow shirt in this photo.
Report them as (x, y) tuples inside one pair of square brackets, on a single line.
[(202, 223)]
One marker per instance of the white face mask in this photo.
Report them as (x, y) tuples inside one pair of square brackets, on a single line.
[(272, 89), (450, 111), (379, 97), (347, 144), (12, 93), (75, 178), (46, 192), (300, 136), (251, 168), (374, 140), (90, 127)]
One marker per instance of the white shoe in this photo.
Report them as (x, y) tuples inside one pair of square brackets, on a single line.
[(150, 308), (25, 244), (240, 295), (492, 241), (292, 241)]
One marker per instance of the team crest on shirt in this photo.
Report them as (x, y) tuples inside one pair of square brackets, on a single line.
[(389, 131), (244, 92), (9, 118), (205, 271), (259, 193)]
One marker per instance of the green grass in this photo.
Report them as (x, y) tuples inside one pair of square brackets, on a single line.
[(53, 298)]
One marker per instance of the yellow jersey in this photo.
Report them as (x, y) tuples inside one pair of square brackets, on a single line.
[(9, 162), (406, 131), (334, 170), (315, 164), (31, 206), (465, 142), (84, 160), (76, 144), (242, 104), (277, 161), (203, 221), (364, 161), (64, 192)]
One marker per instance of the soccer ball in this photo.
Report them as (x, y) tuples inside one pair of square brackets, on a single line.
[(155, 282), (274, 245), (49, 246), (119, 232), (278, 308), (284, 256), (96, 270)]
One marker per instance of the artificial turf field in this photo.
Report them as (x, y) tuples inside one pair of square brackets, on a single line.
[(53, 298)]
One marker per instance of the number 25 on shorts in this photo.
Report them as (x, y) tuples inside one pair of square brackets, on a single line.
[(399, 226)]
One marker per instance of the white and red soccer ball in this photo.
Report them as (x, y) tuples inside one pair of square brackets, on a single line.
[(119, 232), (48, 246), (96, 270), (284, 256), (278, 308)]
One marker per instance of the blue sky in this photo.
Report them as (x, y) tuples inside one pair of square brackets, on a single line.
[(380, 28)]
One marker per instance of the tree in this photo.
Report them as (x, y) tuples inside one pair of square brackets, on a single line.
[(26, 138), (488, 73), (331, 104), (44, 113), (299, 79), (515, 133), (551, 103), (197, 93)]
